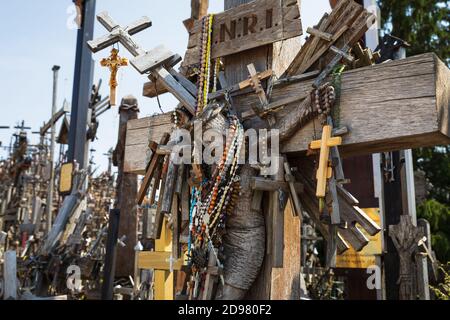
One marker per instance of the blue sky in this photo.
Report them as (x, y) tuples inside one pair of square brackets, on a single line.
[(35, 36)]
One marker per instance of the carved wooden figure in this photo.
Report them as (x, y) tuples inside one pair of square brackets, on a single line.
[(406, 237)]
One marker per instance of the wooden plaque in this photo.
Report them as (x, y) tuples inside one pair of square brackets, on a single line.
[(247, 26)]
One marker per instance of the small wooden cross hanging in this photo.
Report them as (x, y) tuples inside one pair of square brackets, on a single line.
[(324, 171), (114, 62)]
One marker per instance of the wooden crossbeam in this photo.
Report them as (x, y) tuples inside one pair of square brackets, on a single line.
[(346, 23), (154, 163), (158, 260), (413, 88), (323, 35)]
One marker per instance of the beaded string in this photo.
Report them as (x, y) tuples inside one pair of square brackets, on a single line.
[(238, 145), (205, 63), (217, 201)]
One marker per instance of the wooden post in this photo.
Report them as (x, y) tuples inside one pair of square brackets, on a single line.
[(277, 205), (10, 276), (111, 254), (126, 192)]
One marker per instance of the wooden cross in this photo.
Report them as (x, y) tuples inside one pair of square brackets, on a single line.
[(324, 171), (114, 62), (421, 95), (155, 61), (255, 82), (406, 237)]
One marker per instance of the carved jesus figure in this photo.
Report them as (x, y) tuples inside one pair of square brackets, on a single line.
[(114, 62)]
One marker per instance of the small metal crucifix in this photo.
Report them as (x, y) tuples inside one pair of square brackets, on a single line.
[(114, 62)]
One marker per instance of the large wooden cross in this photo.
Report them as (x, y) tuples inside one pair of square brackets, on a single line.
[(158, 61), (395, 105)]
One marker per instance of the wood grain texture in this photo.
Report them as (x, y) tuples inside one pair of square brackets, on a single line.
[(139, 133), (126, 194), (247, 26), (396, 105), (346, 23), (286, 281)]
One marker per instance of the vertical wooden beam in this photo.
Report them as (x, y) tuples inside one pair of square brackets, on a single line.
[(111, 255), (199, 8), (290, 272), (278, 219), (126, 192)]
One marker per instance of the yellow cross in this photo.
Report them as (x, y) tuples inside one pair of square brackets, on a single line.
[(324, 171), (114, 62)]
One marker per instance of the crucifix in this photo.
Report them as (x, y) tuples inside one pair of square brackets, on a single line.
[(114, 62), (158, 62)]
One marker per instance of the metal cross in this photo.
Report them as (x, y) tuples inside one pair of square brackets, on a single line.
[(154, 61)]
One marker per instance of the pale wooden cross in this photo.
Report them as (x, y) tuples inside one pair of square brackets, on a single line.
[(324, 171), (154, 61), (114, 62)]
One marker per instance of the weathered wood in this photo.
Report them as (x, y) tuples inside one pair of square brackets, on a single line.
[(199, 9), (263, 184), (350, 213), (171, 177), (289, 177), (405, 237), (139, 133), (158, 260), (185, 203), (10, 276), (247, 26), (159, 220), (151, 91), (278, 219), (239, 87), (286, 280), (347, 23), (176, 228), (211, 277), (414, 88), (148, 175), (126, 191), (148, 223), (323, 35), (235, 72), (175, 88)]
